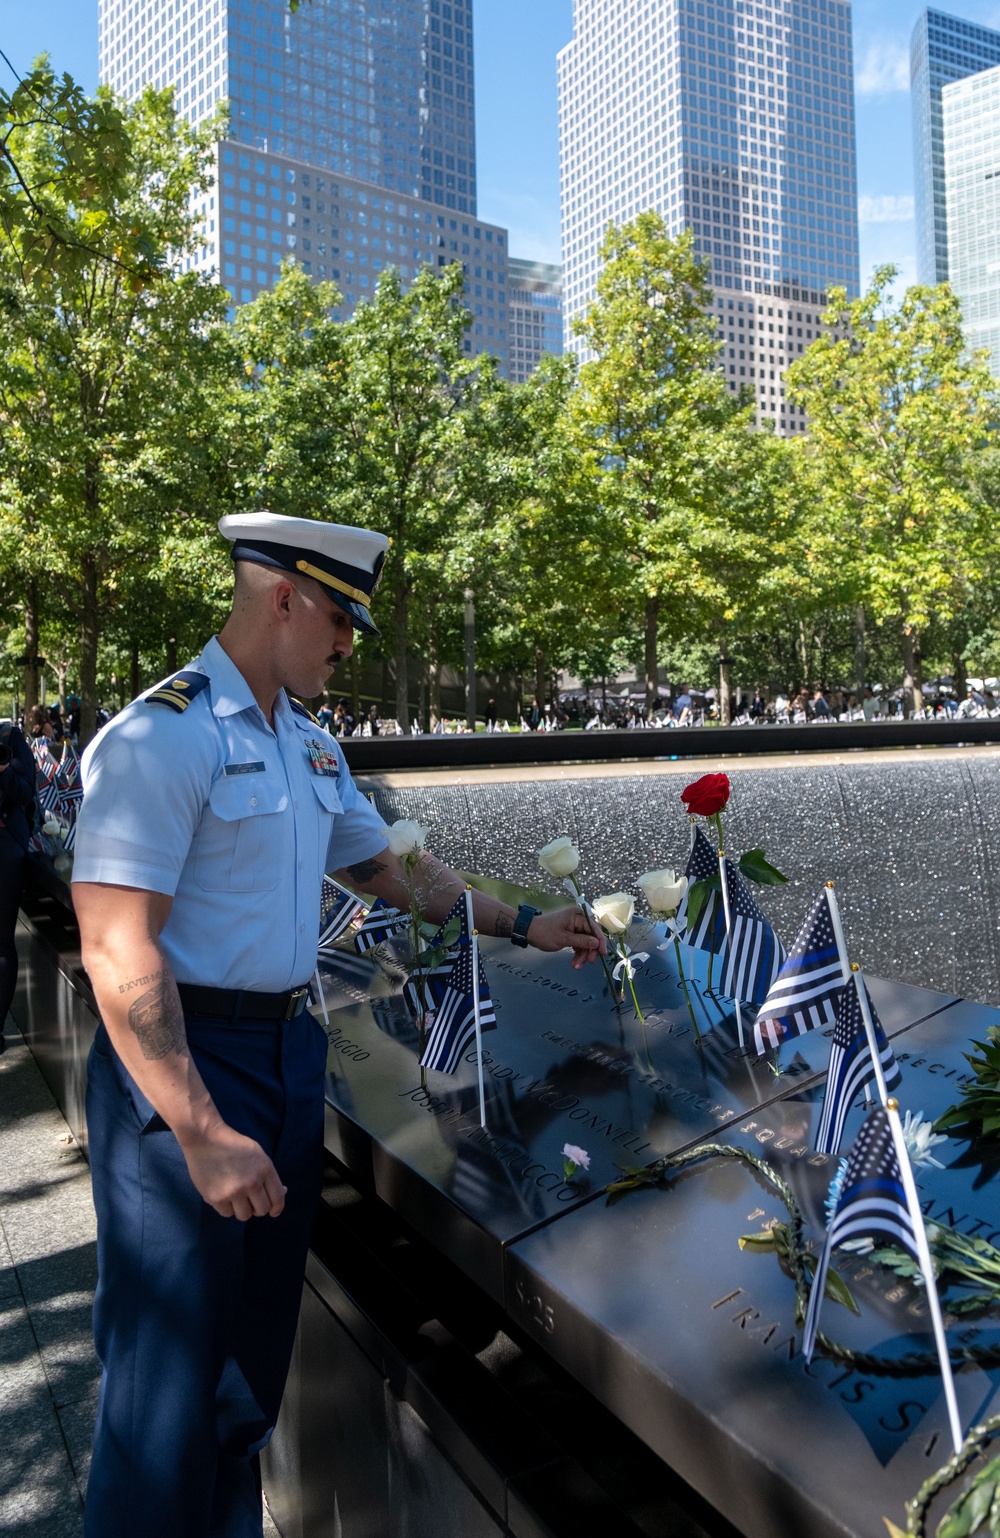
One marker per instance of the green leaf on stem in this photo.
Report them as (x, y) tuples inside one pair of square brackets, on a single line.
[(973, 1506), (755, 867), (698, 895)]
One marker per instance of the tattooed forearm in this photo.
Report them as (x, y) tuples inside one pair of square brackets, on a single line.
[(158, 1021), (138, 982), (365, 870), (504, 926)]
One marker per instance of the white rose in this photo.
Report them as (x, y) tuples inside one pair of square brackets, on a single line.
[(50, 828), (614, 912), (663, 890), (560, 858), (405, 837)]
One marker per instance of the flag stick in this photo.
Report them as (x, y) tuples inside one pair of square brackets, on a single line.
[(927, 1267), (322, 996), (866, 1016), (474, 941), (845, 967), (729, 942)]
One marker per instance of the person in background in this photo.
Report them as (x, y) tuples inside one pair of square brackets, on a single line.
[(17, 805), (820, 706), (324, 714), (372, 722), (871, 704)]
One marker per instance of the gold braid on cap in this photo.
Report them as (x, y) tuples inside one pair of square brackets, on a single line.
[(357, 593)]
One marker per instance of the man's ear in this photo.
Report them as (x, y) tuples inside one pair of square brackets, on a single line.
[(282, 595)]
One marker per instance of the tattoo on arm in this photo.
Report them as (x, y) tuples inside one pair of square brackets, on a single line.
[(138, 982), (504, 926), (365, 870), (157, 1020)]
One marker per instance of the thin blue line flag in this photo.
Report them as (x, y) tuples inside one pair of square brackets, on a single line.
[(871, 1204), (709, 931), (851, 1066), (452, 991), (381, 921), (338, 910), (808, 986), (754, 954)]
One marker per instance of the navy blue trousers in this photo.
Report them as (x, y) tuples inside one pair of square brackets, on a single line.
[(195, 1314)]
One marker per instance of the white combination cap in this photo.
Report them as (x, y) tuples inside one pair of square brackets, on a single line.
[(348, 561)]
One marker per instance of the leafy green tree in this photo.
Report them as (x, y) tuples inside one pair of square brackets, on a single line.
[(897, 408), (60, 212), (109, 443), (407, 393), (650, 408)]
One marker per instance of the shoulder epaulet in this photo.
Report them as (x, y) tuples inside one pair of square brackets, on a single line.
[(301, 710), (179, 691)]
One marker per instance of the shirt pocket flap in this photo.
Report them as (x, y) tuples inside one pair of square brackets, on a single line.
[(245, 796), (327, 794)]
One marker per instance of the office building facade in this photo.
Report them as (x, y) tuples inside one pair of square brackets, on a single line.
[(352, 141), (534, 315), (970, 123), (735, 120), (943, 49)]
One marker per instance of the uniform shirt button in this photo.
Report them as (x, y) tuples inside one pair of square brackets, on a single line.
[(253, 800), (302, 929)]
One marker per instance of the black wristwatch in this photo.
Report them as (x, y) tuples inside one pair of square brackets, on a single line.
[(519, 934)]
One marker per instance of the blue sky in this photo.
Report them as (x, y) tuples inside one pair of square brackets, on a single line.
[(516, 45)]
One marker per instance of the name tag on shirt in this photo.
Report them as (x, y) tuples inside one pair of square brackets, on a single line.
[(255, 768), (322, 759)]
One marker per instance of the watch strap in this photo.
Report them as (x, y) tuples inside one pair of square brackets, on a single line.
[(519, 933)]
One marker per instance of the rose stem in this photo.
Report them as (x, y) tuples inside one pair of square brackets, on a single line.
[(680, 973), (604, 959)]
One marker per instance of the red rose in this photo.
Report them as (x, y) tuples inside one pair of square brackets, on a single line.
[(707, 796)]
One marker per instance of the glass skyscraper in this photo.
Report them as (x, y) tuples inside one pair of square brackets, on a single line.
[(352, 141), (943, 49), (736, 120), (382, 91), (535, 314), (970, 121)]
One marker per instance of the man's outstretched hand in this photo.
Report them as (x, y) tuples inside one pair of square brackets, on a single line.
[(567, 926)]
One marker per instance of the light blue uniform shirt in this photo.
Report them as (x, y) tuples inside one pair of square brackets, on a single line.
[(230, 819)]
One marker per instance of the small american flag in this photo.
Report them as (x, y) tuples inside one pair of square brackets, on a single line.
[(754, 953), (807, 989), (851, 1065), (871, 1205), (339, 908), (709, 931)]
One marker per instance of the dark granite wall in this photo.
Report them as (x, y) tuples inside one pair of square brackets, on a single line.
[(913, 845)]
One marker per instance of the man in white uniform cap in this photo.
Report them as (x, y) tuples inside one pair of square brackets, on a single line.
[(213, 805)]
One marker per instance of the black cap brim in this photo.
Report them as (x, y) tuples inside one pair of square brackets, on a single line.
[(359, 616)]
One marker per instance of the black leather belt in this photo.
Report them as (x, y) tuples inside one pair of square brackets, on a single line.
[(241, 1004)]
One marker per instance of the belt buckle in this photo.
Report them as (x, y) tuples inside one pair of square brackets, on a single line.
[(294, 1000)]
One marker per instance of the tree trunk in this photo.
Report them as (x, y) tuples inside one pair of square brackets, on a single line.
[(355, 689), (959, 680), (30, 647), (725, 715), (135, 677), (803, 652), (89, 633), (433, 680), (62, 669), (913, 697), (401, 638), (540, 677), (860, 667), (652, 666), (171, 655)]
